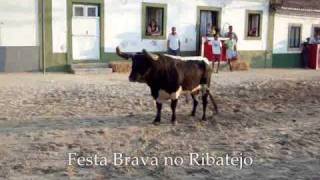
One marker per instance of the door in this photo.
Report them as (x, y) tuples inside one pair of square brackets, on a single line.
[(85, 32), (208, 22)]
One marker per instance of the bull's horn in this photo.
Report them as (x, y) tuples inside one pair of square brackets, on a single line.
[(150, 55), (122, 54)]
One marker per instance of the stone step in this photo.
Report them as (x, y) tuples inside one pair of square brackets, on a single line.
[(85, 71), (89, 65), (91, 68)]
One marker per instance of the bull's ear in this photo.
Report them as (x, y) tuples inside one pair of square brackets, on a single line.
[(151, 56), (122, 54)]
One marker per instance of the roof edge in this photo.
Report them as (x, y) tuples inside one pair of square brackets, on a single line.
[(300, 9)]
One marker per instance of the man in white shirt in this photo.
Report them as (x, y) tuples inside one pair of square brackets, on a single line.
[(173, 43)]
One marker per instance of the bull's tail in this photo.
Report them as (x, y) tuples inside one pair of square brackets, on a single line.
[(212, 100)]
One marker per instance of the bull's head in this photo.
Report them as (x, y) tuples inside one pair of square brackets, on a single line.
[(142, 64)]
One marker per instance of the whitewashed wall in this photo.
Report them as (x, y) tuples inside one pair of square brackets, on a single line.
[(281, 24), (235, 14), (19, 23), (123, 23), (59, 26)]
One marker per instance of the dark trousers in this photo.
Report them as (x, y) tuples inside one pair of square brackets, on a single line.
[(174, 52), (305, 58)]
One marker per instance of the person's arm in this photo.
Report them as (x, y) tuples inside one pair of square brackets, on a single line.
[(156, 32)]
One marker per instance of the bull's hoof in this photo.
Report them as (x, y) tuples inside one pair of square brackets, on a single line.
[(156, 123), (193, 114)]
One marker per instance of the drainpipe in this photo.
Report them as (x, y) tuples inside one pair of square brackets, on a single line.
[(1, 23), (43, 14)]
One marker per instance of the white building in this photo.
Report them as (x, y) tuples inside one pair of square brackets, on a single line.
[(293, 21), (54, 34)]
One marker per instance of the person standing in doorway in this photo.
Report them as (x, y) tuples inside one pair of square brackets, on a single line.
[(173, 43)]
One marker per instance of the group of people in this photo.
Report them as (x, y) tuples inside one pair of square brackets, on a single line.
[(230, 44), (174, 44), (173, 38)]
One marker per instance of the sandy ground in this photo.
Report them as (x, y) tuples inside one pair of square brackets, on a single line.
[(270, 115)]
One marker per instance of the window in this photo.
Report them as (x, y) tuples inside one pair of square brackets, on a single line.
[(253, 24), (92, 11), (154, 21), (294, 36), (80, 10)]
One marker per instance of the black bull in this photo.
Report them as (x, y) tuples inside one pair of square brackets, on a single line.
[(167, 77)]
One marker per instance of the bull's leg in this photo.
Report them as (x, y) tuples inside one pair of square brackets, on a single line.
[(204, 103), (213, 101), (195, 104), (158, 117), (173, 108)]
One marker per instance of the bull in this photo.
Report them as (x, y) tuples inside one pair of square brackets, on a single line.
[(168, 77)]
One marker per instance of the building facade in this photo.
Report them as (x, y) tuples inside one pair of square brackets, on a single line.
[(54, 34), (19, 36), (293, 22)]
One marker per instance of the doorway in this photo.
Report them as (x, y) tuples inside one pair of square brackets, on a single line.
[(85, 32), (208, 21)]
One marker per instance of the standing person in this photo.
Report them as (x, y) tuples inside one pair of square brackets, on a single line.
[(316, 38), (216, 51), (234, 35), (173, 43), (231, 50), (305, 55)]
